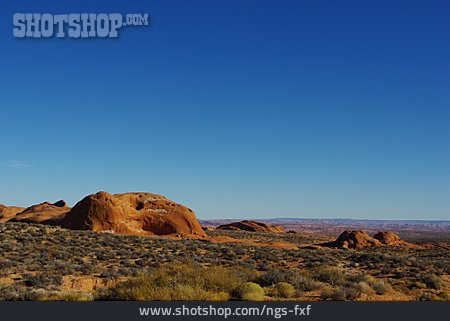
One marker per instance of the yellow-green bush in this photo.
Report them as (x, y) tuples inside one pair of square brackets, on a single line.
[(381, 287), (179, 282), (69, 296), (250, 291), (283, 290)]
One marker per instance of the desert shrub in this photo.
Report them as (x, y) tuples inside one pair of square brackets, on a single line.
[(72, 296), (331, 276), (338, 295), (360, 277), (380, 287), (444, 296), (432, 281), (345, 293), (306, 284), (20, 293), (363, 287), (325, 293), (274, 276), (301, 280), (426, 297), (283, 290), (417, 285), (179, 281), (250, 291)]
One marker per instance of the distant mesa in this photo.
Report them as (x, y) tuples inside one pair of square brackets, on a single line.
[(44, 213), (143, 214), (251, 226), (359, 239), (8, 212)]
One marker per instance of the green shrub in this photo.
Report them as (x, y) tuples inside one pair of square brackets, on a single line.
[(283, 290), (71, 296), (306, 284), (432, 281), (417, 285), (363, 287), (444, 296), (380, 287), (338, 295), (250, 291), (356, 278), (345, 293), (179, 282), (301, 280), (326, 293), (331, 276), (426, 297)]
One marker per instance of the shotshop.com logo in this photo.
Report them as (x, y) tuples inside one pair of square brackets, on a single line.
[(74, 25)]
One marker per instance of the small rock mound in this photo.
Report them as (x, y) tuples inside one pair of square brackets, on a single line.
[(389, 238), (44, 213), (353, 240), (251, 226), (8, 212), (134, 214)]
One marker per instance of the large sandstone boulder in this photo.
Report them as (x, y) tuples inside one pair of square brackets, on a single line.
[(133, 213), (389, 238), (8, 212), (353, 240), (252, 226), (44, 213)]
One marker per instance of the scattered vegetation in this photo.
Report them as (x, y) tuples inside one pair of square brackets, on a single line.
[(180, 282), (38, 262)]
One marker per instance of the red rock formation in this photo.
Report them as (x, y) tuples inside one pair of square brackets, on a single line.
[(43, 213), (360, 239), (133, 213), (8, 212), (353, 240), (389, 238), (251, 226)]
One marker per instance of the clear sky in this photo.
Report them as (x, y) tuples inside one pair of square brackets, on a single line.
[(235, 108)]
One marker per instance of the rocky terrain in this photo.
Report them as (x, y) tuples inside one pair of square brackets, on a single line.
[(129, 213), (133, 214), (360, 239), (390, 239), (141, 246), (49, 262)]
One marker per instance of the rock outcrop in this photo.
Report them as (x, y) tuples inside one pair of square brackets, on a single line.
[(45, 213), (353, 240), (389, 238), (360, 239), (252, 226), (9, 212), (143, 214)]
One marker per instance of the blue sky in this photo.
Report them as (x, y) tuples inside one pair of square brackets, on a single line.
[(250, 109)]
